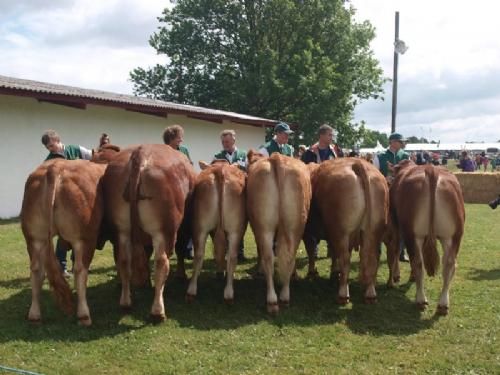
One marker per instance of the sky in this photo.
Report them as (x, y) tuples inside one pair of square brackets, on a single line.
[(448, 80)]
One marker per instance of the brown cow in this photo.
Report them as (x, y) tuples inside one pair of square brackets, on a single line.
[(147, 189), (351, 198), (218, 207), (278, 199), (62, 198), (427, 204)]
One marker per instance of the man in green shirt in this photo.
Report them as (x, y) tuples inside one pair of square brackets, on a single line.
[(57, 149), (230, 152), (234, 156), (174, 136), (279, 143), (386, 161)]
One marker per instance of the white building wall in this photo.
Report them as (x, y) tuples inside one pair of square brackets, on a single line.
[(23, 121)]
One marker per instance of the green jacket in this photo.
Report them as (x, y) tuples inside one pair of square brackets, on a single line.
[(393, 158), (70, 152), (239, 157), (272, 147)]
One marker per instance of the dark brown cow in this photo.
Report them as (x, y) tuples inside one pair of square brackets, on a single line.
[(350, 204), (64, 198), (427, 204), (147, 189), (219, 208), (278, 199)]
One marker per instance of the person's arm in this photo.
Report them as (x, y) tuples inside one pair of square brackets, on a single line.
[(86, 153), (263, 151)]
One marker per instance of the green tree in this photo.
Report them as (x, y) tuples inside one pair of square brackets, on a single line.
[(372, 136), (305, 62)]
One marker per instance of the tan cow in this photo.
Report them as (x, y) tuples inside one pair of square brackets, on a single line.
[(351, 198), (427, 204), (64, 198), (278, 199), (219, 208), (147, 189)]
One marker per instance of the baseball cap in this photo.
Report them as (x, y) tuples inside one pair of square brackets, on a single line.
[(283, 127)]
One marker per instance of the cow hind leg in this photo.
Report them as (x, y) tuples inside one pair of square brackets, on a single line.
[(125, 271), (286, 265), (81, 271), (234, 241), (368, 267), (265, 249), (450, 248), (199, 243), (343, 257), (417, 268), (35, 249), (162, 268)]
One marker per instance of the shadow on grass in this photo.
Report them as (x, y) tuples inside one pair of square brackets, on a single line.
[(480, 275), (313, 303)]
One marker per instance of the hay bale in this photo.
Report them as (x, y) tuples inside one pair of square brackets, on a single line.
[(479, 187)]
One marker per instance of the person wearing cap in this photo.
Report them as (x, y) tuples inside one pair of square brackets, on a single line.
[(279, 143), (234, 156), (323, 149), (386, 161)]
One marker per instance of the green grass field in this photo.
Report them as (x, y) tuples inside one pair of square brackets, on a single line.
[(314, 335)]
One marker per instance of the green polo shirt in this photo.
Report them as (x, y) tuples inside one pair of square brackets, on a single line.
[(272, 146), (393, 158), (185, 151), (70, 152)]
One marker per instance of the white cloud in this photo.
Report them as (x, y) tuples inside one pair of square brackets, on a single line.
[(449, 72)]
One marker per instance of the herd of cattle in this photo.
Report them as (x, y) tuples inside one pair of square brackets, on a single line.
[(151, 195)]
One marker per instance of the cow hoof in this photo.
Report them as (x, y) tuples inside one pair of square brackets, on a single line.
[(157, 318), (126, 309), (273, 308), (396, 279), (229, 301), (219, 276), (313, 274), (190, 297), (371, 300), (85, 321), (442, 310), (342, 300), (35, 321), (421, 306)]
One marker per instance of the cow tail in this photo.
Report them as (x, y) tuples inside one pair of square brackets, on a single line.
[(279, 175), (57, 282), (220, 179), (429, 249), (360, 171), (132, 194)]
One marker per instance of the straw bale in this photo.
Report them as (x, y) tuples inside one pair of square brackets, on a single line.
[(479, 187)]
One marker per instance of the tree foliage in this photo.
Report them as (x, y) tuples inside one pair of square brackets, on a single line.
[(306, 62)]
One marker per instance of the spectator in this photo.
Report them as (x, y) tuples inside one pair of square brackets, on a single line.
[(466, 164), (104, 140), (57, 149), (484, 161)]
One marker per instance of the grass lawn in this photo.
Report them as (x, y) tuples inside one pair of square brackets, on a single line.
[(314, 335)]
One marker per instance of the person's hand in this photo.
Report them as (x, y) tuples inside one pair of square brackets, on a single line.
[(390, 166)]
